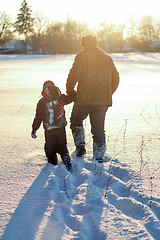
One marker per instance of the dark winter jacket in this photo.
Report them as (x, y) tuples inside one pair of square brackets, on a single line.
[(96, 75), (51, 112)]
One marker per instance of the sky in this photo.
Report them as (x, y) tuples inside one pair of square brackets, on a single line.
[(91, 12)]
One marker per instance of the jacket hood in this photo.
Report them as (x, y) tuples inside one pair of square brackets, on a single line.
[(50, 90)]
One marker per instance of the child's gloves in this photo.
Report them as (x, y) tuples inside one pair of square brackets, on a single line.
[(33, 134)]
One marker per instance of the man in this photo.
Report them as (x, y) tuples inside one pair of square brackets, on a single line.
[(97, 79)]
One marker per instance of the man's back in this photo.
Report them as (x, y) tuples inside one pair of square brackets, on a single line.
[(96, 75)]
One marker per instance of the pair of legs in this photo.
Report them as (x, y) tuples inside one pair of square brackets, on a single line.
[(55, 142), (97, 120)]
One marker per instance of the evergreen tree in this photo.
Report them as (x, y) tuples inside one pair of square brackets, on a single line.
[(24, 23)]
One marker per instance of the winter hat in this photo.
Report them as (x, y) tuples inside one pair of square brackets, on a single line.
[(88, 41), (50, 90)]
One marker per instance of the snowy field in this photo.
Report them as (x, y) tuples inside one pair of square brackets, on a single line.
[(117, 200)]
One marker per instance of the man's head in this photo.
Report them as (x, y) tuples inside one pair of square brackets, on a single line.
[(88, 41)]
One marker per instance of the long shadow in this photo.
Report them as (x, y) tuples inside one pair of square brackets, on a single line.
[(27, 217)]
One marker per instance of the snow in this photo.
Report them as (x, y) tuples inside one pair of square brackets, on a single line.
[(119, 199)]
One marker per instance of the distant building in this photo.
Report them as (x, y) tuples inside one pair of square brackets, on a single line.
[(124, 48), (14, 47), (155, 46)]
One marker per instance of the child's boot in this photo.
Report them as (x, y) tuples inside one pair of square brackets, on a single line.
[(67, 161), (53, 159)]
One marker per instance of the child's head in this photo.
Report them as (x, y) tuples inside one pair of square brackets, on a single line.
[(50, 90)]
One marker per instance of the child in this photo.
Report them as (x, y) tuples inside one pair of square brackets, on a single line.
[(50, 111)]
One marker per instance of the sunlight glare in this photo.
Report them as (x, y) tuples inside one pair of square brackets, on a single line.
[(91, 12)]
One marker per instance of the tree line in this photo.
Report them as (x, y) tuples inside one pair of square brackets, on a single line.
[(45, 37)]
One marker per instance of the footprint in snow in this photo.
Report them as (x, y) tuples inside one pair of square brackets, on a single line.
[(138, 211)]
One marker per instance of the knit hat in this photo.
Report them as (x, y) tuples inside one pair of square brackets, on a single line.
[(88, 41), (50, 90)]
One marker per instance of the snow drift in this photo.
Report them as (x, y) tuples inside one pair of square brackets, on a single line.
[(119, 199)]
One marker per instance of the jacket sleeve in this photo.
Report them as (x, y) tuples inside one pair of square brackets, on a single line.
[(38, 117), (68, 98), (74, 75), (115, 77)]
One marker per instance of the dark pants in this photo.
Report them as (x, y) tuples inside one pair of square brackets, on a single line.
[(55, 142), (97, 119)]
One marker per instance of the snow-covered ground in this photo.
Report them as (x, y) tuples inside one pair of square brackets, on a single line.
[(119, 199)]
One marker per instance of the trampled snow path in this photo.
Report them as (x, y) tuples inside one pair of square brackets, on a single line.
[(93, 201)]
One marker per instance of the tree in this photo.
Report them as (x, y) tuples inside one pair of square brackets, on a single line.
[(64, 37), (72, 32), (25, 21), (131, 33), (157, 31), (110, 37), (54, 38), (5, 28), (131, 28), (37, 38), (146, 32)]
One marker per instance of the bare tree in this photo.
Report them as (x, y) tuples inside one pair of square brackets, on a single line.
[(131, 28), (157, 31), (146, 33), (72, 32), (38, 36), (147, 29), (132, 33), (5, 28), (54, 38), (110, 36), (64, 37)]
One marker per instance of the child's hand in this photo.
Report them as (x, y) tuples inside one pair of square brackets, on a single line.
[(33, 134)]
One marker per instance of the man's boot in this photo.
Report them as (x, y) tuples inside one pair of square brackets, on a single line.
[(99, 151), (78, 136), (80, 150)]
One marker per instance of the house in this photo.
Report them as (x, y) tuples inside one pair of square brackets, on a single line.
[(13, 47), (155, 46)]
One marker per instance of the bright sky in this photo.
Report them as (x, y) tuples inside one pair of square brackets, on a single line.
[(89, 11)]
